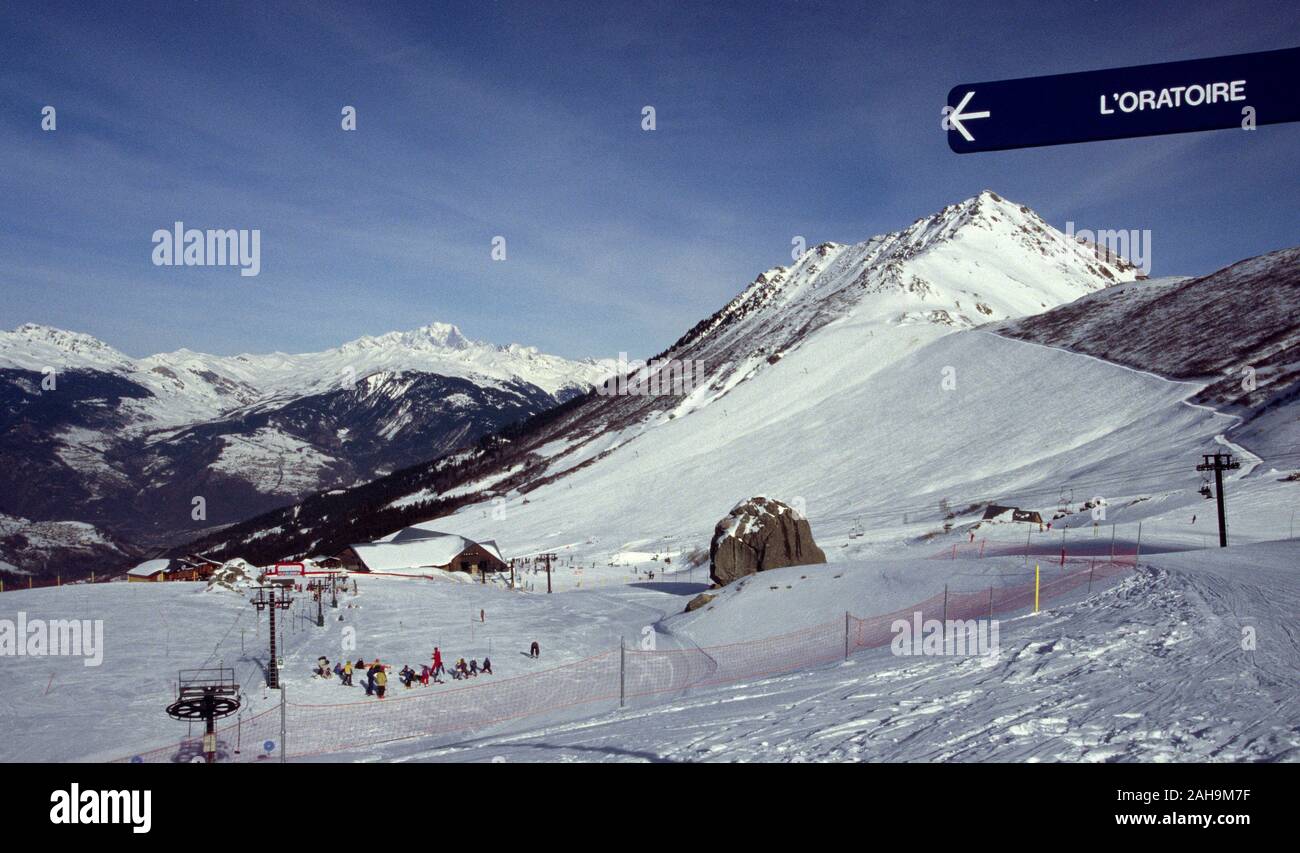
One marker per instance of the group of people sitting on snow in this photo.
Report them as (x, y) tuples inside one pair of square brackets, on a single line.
[(376, 683), (458, 671), (376, 673)]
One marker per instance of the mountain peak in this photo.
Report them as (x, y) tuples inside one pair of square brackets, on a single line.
[(444, 335), (983, 209), (982, 259)]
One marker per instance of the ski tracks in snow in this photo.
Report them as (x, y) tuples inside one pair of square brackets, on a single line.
[(1150, 669)]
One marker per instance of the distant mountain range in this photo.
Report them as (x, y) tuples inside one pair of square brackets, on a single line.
[(103, 456)]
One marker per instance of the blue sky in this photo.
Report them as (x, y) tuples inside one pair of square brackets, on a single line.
[(523, 120)]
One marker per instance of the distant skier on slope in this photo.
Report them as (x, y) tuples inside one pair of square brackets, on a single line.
[(438, 668), (487, 666), (381, 682), (534, 651)]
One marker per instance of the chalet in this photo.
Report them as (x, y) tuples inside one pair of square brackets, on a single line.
[(420, 547), (165, 569), (1000, 513), (203, 567)]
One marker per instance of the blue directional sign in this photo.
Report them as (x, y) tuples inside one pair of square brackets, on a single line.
[(1240, 91)]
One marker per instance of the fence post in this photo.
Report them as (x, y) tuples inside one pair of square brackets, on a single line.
[(990, 603), (1139, 546), (1112, 543), (622, 672), (846, 635), (283, 732), (1035, 587), (945, 604), (1090, 568)]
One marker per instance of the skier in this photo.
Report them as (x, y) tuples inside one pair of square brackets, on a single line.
[(424, 675), (437, 663), (534, 651), (381, 682), (487, 666), (482, 616), (323, 667), (473, 667), (462, 668), (347, 674), (408, 676)]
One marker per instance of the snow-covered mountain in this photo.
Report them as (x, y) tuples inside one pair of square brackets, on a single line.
[(93, 435), (813, 368), (1237, 329)]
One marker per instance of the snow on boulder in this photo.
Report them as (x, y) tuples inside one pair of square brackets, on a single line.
[(235, 575), (760, 534)]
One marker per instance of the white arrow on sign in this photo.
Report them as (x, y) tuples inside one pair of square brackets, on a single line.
[(956, 117)]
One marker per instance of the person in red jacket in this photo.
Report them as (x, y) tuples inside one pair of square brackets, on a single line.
[(437, 663)]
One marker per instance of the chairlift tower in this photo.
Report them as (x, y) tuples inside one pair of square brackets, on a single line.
[(547, 557), (317, 587), (207, 695), (267, 599), (1218, 463)]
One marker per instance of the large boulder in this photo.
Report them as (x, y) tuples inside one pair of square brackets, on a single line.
[(757, 535), (699, 601)]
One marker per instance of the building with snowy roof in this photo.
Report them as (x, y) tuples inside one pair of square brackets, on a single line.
[(166, 569), (420, 547)]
